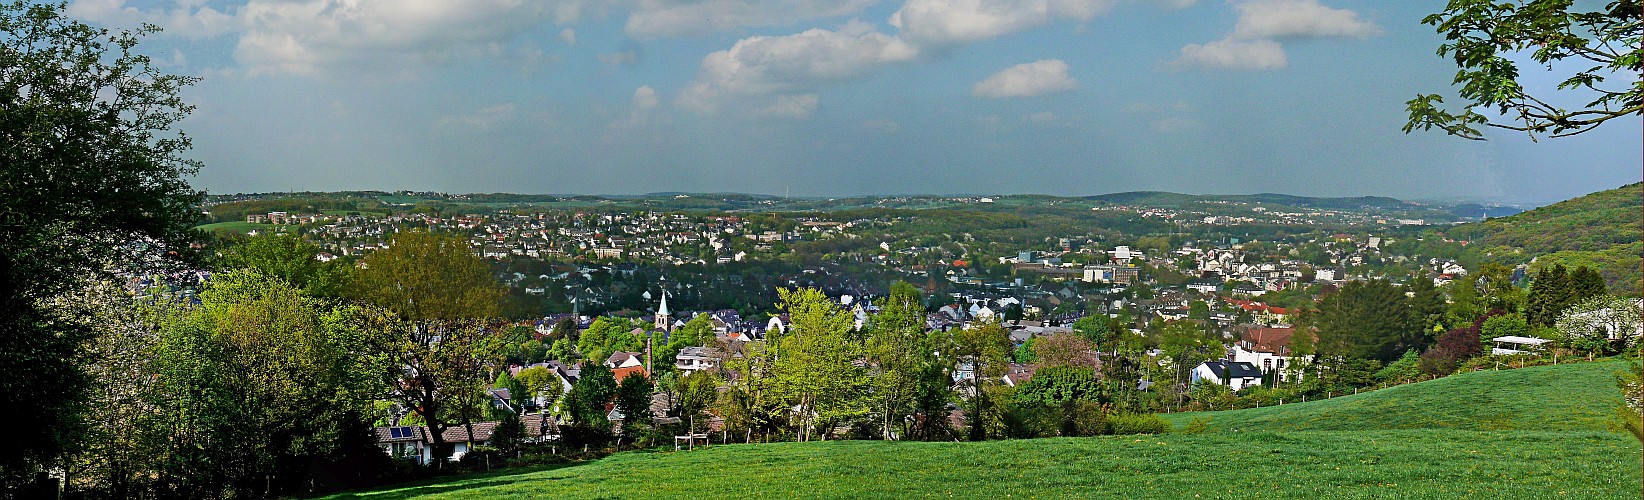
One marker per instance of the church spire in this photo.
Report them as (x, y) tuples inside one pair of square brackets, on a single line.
[(663, 320)]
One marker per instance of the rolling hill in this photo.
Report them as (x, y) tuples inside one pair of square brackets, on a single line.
[(1530, 433), (1602, 230)]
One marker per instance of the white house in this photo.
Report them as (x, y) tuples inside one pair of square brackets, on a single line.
[(1236, 375), (1268, 349), (693, 359)]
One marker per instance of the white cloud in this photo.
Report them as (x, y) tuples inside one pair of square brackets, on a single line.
[(1252, 43), (764, 65), (310, 35), (1026, 80), (568, 35), (791, 106), (620, 58), (187, 19), (1274, 19), (880, 126), (1234, 54), (942, 22), (644, 98), (478, 121), (652, 18)]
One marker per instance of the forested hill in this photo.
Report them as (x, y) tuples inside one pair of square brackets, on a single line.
[(1602, 230)]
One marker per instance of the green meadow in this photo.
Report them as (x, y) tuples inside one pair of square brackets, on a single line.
[(1541, 432)]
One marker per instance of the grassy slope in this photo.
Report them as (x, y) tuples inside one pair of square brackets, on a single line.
[(1355, 446), (234, 227), (1568, 397)]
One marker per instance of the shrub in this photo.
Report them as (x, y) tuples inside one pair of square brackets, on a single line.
[(1196, 426), (1130, 423)]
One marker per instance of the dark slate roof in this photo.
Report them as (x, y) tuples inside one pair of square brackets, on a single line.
[(1241, 369)]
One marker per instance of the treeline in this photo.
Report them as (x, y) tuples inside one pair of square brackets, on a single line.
[(238, 210)]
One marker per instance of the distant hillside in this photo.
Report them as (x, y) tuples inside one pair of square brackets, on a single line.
[(1602, 230), (1568, 397)]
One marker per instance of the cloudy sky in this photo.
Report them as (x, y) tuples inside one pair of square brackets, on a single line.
[(826, 98)]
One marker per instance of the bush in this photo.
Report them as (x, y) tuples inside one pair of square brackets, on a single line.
[(1130, 423), (1197, 426), (1089, 419)]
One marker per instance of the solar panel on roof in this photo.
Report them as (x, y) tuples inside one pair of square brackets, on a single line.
[(396, 432)]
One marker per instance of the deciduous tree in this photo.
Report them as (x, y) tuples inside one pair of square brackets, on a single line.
[(1595, 49)]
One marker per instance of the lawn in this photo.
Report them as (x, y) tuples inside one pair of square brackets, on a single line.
[(1571, 396), (1529, 433), (241, 227)]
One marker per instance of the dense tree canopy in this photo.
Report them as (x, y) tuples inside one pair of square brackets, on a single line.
[(90, 166)]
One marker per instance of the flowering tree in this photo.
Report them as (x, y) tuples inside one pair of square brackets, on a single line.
[(1601, 324)]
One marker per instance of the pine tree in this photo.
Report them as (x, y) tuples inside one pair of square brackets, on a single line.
[(1585, 283), (1548, 296)]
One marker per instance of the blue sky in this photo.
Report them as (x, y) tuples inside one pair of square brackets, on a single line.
[(1067, 97)]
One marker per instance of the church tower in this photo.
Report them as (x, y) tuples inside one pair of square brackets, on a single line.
[(664, 321)]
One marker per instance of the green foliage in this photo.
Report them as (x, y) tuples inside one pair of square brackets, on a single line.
[(1367, 320), (1504, 325), (517, 394), (609, 335), (986, 346), (1631, 383), (1407, 367), (633, 400), (1484, 37), (1599, 230), (1130, 423), (291, 259), (425, 276), (90, 164), (253, 386), (815, 362), (696, 392), (594, 387)]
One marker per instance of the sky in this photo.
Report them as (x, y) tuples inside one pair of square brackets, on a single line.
[(837, 98)]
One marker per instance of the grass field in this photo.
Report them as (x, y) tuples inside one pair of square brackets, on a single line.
[(1530, 433), (241, 227), (1574, 396)]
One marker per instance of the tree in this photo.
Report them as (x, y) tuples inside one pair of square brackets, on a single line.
[(1427, 302), (985, 346), (1550, 293), (91, 164), (1482, 36), (1366, 319), (1504, 325), (1601, 324), (898, 351), (1065, 350), (288, 258), (633, 400), (517, 394), (696, 391), (1452, 348), (815, 362), (256, 388), (594, 387), (430, 277), (538, 381), (436, 369)]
